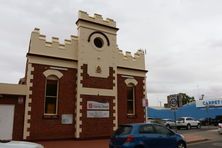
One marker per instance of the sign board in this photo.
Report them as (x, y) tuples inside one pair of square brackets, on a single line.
[(67, 118), (209, 103), (145, 102), (97, 105), (173, 102), (97, 114)]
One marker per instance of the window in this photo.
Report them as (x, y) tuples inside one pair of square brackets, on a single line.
[(51, 96), (131, 99), (98, 42), (146, 129), (162, 130)]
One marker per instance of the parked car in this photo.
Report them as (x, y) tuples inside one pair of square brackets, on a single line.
[(217, 120), (220, 128), (19, 144), (146, 135), (169, 123), (188, 123), (206, 121)]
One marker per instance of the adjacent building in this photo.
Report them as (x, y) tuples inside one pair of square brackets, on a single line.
[(83, 88)]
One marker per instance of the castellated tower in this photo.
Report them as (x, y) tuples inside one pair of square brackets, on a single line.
[(85, 82)]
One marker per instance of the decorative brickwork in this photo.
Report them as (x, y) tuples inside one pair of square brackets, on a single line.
[(29, 83), (96, 127), (18, 115), (50, 127), (123, 118), (96, 82)]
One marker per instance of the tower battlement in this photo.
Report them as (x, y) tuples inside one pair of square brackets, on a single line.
[(97, 18), (39, 45), (54, 41), (135, 61), (128, 55)]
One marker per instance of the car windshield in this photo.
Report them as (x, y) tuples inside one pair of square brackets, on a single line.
[(123, 130)]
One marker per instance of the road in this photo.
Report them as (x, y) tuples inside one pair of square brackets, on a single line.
[(210, 133), (208, 144)]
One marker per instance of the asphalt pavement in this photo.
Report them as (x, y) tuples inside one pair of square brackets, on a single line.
[(206, 137)]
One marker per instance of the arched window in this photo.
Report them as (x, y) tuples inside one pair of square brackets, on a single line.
[(51, 95), (131, 99)]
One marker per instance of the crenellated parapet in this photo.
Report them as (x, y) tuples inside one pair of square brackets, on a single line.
[(40, 46), (97, 18), (135, 61)]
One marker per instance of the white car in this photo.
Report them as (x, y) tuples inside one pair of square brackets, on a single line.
[(187, 122), (220, 128), (19, 144), (169, 123)]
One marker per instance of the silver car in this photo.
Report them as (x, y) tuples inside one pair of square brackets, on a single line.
[(169, 123)]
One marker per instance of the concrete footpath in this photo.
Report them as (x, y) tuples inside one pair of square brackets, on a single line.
[(102, 143)]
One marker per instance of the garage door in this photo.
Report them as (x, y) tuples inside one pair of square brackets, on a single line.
[(6, 121)]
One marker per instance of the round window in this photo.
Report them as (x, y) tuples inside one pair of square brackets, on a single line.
[(98, 42)]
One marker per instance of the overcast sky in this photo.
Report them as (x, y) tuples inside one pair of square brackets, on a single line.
[(182, 38)]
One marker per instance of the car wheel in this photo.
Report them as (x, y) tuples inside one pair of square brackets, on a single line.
[(181, 145), (188, 126), (198, 126), (168, 126)]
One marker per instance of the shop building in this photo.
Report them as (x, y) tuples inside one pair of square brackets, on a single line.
[(83, 88)]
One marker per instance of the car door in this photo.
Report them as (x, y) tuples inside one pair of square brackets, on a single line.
[(148, 136), (165, 137)]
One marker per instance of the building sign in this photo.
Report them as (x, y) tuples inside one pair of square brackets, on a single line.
[(97, 105), (67, 118), (173, 102), (97, 114), (97, 109), (209, 103)]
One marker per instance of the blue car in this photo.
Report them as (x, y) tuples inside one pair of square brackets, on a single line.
[(146, 135)]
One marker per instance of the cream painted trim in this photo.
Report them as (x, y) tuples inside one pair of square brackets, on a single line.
[(52, 72), (131, 81), (13, 89), (27, 125), (52, 62), (131, 72)]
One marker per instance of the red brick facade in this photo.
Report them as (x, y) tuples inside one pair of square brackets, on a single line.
[(96, 127), (92, 82), (18, 114), (122, 101), (50, 127)]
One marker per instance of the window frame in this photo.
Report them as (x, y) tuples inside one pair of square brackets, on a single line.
[(131, 85), (55, 78)]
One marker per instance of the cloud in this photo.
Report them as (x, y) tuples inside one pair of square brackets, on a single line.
[(183, 38)]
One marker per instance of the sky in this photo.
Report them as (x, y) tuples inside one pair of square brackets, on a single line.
[(182, 39)]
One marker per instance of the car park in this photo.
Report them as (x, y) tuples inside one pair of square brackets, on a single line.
[(146, 135), (169, 123), (19, 144), (187, 122)]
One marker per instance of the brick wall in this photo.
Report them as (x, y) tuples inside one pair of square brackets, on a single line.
[(18, 114), (50, 127), (92, 82), (96, 127), (123, 118)]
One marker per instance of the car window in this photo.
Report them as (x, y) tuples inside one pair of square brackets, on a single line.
[(162, 130), (123, 130), (146, 129), (181, 119)]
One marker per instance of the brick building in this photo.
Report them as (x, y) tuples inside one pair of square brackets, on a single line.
[(83, 88)]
